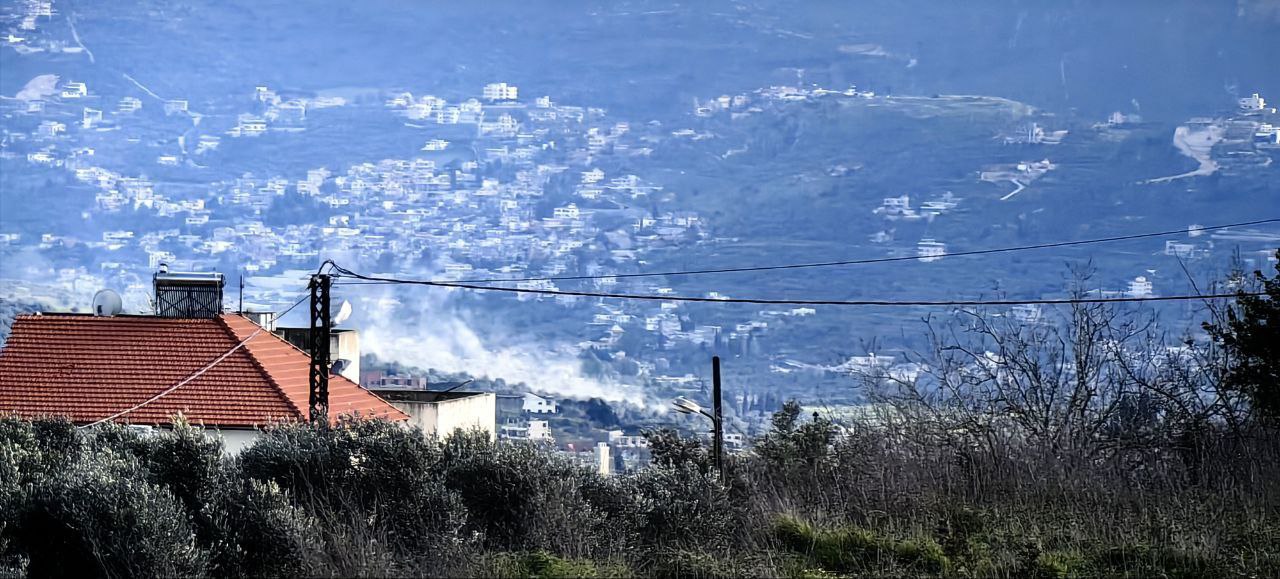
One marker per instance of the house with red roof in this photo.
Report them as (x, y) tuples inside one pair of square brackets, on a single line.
[(218, 370)]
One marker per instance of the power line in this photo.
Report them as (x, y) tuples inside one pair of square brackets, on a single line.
[(277, 317), (871, 260), (808, 302)]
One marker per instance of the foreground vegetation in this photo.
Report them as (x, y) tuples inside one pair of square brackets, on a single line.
[(1082, 448), (374, 499)]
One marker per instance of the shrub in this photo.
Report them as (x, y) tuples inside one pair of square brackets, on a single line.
[(184, 460), (683, 507), (100, 516), (256, 532), (1144, 561), (1056, 565), (390, 474), (376, 499), (921, 553), (543, 565), (35, 449), (852, 550), (621, 513), (694, 564), (519, 496)]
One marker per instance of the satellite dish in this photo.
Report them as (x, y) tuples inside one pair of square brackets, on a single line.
[(339, 366), (107, 303), (344, 312)]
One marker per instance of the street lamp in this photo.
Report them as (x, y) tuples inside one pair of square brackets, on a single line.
[(686, 406)]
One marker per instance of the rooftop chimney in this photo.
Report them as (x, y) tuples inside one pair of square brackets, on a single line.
[(188, 294)]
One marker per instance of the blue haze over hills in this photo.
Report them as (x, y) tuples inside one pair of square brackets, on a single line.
[(844, 106)]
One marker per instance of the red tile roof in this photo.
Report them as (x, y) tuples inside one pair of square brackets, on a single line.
[(87, 368)]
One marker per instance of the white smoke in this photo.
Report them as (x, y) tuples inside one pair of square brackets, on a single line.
[(430, 332)]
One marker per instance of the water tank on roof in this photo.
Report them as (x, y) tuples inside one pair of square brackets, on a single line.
[(188, 294), (107, 303)]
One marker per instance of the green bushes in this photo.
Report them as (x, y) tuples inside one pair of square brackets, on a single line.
[(1056, 565), (682, 507), (374, 499), (99, 515), (256, 531), (387, 477), (543, 565), (513, 493), (1129, 561), (361, 498), (853, 550)]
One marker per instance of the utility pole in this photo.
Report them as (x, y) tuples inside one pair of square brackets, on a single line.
[(717, 419), (241, 310), (318, 338)]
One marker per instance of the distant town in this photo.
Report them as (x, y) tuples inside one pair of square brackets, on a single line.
[(500, 185)]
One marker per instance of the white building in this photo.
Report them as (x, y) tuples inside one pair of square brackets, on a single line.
[(175, 106), (540, 430), (443, 413), (50, 128), (207, 143), (291, 112), (620, 440), (129, 105), (435, 145), (1119, 119), (448, 115), (75, 90), (1253, 104), (251, 126), (569, 211), (604, 462), (930, 250), (897, 207), (1267, 134), (500, 91), (535, 404), (265, 95), (90, 118), (1181, 249), (1140, 287)]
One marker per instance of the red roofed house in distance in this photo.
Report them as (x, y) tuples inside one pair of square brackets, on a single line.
[(220, 370)]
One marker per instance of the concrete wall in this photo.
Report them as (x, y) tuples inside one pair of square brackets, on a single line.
[(442, 417), (234, 441), (346, 346)]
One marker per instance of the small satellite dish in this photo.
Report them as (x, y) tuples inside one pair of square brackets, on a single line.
[(344, 312), (107, 303), (339, 366)]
